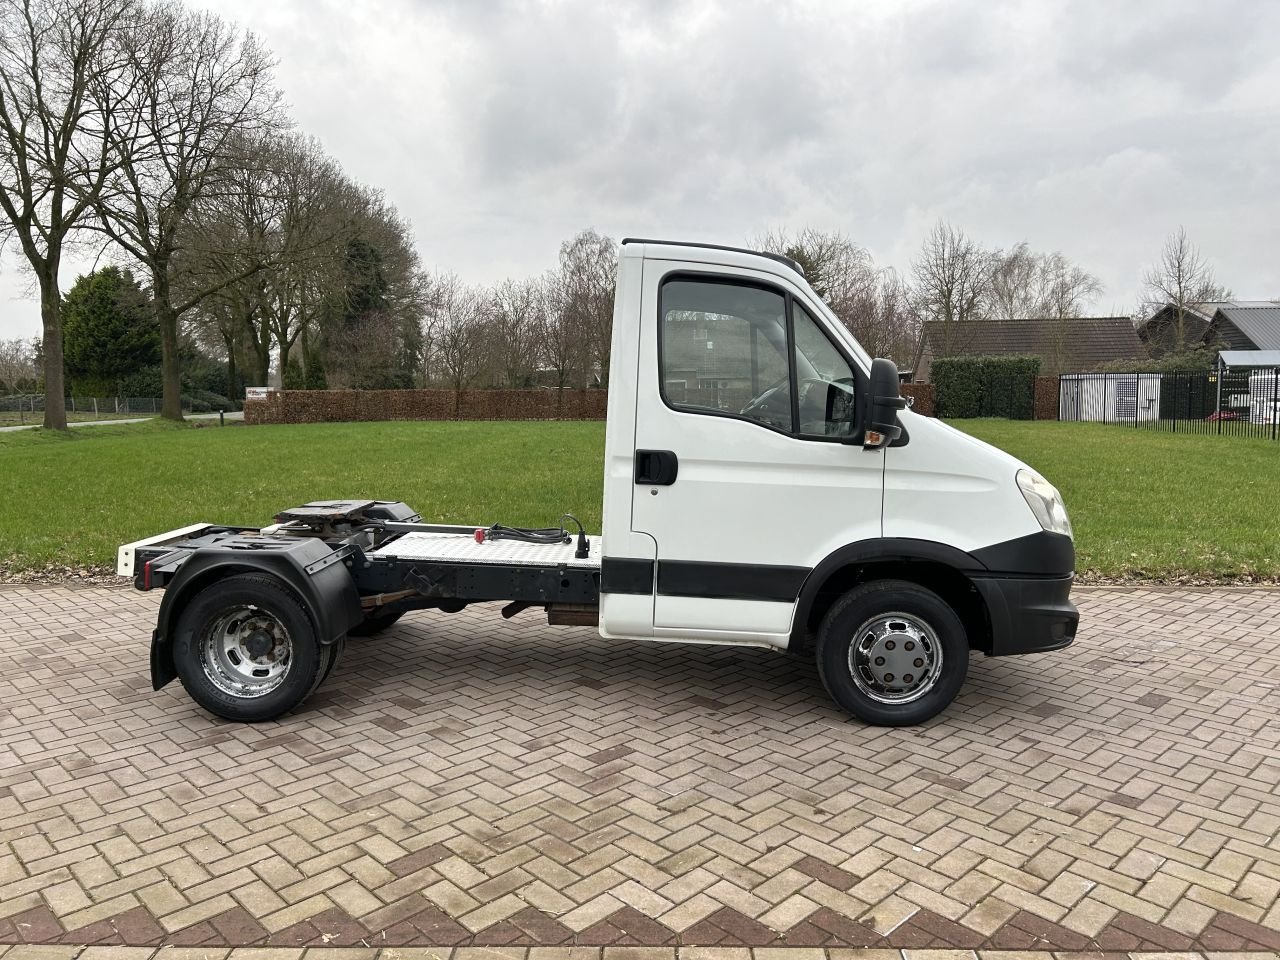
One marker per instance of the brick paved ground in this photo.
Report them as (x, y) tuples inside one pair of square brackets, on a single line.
[(464, 781)]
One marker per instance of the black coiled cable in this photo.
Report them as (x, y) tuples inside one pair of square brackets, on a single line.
[(541, 534)]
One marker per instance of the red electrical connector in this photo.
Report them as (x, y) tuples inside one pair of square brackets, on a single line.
[(481, 534)]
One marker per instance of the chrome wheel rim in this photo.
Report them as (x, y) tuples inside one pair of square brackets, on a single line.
[(895, 658), (246, 652)]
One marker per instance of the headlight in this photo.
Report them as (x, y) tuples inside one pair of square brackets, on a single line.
[(1045, 502)]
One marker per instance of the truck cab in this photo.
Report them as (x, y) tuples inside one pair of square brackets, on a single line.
[(765, 485)]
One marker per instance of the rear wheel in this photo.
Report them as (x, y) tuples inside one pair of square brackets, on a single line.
[(335, 651), (892, 653), (245, 649), (375, 623)]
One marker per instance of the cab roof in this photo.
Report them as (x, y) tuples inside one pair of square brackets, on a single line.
[(776, 257)]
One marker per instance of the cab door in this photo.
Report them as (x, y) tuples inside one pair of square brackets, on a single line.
[(743, 474)]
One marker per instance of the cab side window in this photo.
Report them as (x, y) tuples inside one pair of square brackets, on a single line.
[(825, 382), (751, 352), (724, 350)]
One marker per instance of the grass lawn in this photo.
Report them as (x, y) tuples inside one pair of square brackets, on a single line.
[(1144, 505), (1156, 505), (72, 499)]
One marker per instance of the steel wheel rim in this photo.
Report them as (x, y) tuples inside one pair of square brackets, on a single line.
[(895, 658), (246, 652)]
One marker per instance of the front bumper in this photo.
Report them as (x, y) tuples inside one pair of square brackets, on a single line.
[(1029, 614)]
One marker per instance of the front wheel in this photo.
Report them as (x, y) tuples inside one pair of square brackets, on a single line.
[(245, 649), (892, 653)]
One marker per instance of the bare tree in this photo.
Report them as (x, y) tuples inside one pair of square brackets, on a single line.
[(952, 280), (874, 304), (885, 321), (312, 209), (17, 365), (198, 89), (1043, 286), (230, 241), (588, 269), (1182, 279), (561, 350), (373, 299), (338, 273), (840, 271), (59, 66), (1026, 284), (518, 309), (459, 325)]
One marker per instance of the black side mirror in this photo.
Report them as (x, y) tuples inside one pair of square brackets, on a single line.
[(883, 401)]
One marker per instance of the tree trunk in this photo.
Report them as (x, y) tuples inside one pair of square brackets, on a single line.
[(231, 368), (306, 358), (261, 353), (55, 404), (170, 362)]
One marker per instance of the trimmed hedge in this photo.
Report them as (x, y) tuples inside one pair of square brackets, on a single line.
[(986, 386), (923, 394), (1047, 400), (328, 406)]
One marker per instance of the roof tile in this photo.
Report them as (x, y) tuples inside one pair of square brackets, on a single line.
[(1080, 344)]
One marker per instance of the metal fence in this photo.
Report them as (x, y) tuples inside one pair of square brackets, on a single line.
[(1234, 402), (24, 408)]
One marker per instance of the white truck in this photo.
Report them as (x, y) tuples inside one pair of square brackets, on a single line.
[(765, 485)]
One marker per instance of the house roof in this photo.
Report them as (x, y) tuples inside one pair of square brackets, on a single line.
[(1080, 344), (1261, 324), (1250, 358)]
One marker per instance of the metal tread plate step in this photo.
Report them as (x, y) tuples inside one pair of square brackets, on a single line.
[(463, 548)]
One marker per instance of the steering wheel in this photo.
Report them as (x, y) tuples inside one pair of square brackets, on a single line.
[(760, 404)]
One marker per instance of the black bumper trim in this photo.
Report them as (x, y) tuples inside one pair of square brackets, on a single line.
[(1041, 554), (1029, 614)]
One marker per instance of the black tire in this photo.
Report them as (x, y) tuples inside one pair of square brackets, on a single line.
[(375, 623), (886, 625), (335, 649), (245, 599)]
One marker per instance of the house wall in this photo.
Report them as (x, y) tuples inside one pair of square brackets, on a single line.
[(1225, 335)]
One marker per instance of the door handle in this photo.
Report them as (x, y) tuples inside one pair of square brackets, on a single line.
[(656, 467)]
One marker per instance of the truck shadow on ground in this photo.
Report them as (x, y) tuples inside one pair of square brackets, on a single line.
[(466, 669)]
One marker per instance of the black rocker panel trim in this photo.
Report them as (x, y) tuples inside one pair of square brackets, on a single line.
[(626, 575), (730, 581)]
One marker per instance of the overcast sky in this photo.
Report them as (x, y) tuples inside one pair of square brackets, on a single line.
[(499, 129)]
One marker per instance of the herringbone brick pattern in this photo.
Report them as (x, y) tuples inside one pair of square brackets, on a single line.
[(468, 781)]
